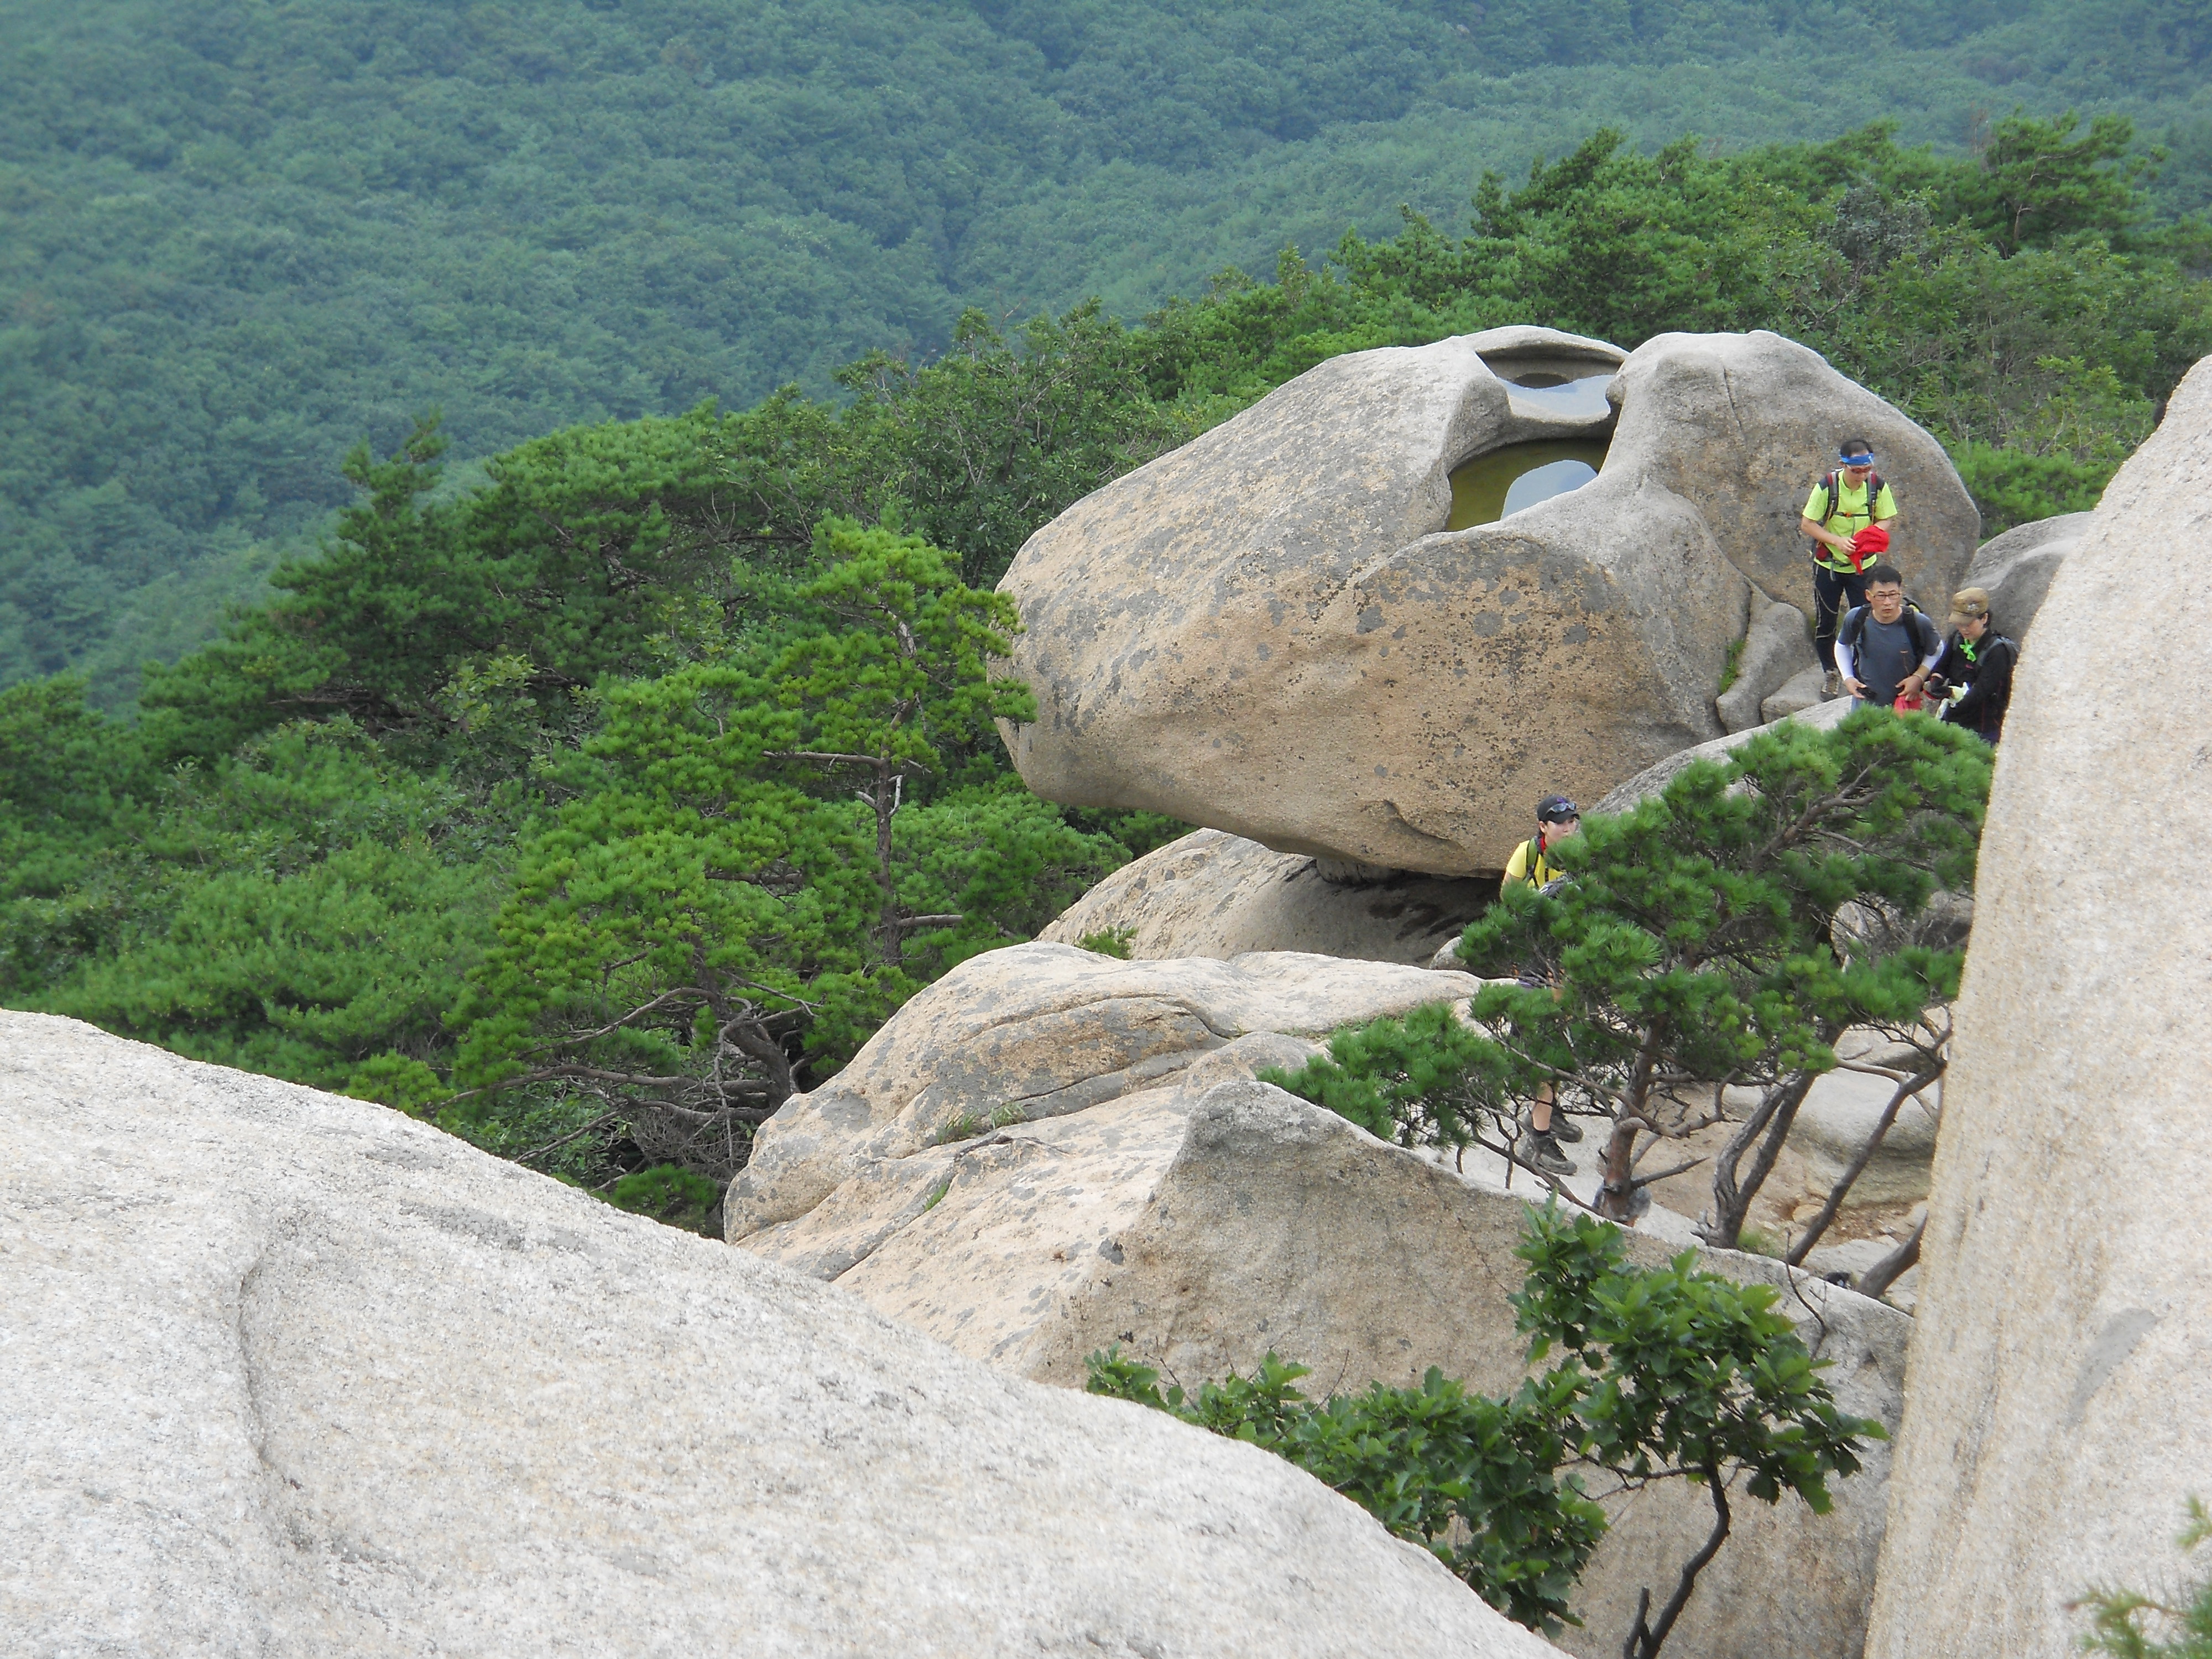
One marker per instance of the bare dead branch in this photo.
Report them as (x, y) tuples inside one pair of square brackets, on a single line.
[(1905, 1091), (600, 1122), (1893, 1266)]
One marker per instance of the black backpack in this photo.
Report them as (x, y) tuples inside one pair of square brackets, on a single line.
[(1834, 485), (1923, 631)]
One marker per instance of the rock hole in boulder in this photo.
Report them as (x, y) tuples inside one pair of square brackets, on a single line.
[(1581, 398), (1560, 385), (1503, 482)]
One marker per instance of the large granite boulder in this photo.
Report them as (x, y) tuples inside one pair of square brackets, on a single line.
[(1212, 894), (1199, 1218), (294, 1376), (1271, 631), (1041, 1030), (1743, 426), (2015, 569), (2060, 1411)]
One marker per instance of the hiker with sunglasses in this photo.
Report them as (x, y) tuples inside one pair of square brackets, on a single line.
[(1844, 505)]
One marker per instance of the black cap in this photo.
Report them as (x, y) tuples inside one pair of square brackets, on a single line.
[(1556, 809)]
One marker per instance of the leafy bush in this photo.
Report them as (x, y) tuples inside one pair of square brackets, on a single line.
[(1669, 1373)]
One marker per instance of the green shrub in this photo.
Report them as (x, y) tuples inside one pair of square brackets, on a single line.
[(1109, 941), (1667, 1373), (1418, 1460), (668, 1192)]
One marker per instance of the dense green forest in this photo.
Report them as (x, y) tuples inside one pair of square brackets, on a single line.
[(239, 235), (595, 802)]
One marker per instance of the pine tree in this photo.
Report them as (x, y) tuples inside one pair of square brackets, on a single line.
[(1695, 946)]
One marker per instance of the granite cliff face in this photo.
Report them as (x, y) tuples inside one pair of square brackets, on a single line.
[(2060, 1407)]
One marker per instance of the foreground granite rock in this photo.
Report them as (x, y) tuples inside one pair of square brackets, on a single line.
[(291, 1375), (1209, 1218), (1271, 631), (2060, 1410), (1216, 895)]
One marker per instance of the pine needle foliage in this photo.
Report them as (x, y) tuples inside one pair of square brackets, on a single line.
[(773, 852), (2128, 1623), (1691, 949)]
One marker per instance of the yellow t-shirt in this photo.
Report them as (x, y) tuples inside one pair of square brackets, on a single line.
[(1849, 517), (1516, 867)]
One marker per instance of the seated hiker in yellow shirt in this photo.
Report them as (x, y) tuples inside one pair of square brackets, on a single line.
[(1845, 502)]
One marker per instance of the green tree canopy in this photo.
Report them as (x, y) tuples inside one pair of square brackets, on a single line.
[(242, 238), (772, 852)]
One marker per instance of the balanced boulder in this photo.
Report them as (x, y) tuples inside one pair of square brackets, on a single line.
[(291, 1375), (1272, 631), (2059, 1416), (1267, 632), (1743, 426)]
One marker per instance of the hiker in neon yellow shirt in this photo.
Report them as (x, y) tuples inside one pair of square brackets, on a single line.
[(1846, 501), (1557, 819)]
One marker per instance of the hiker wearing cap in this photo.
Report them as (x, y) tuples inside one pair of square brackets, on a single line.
[(1557, 819), (1848, 517), (1887, 648), (1972, 681)]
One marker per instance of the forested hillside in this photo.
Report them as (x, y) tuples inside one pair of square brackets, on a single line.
[(597, 803), (242, 236)]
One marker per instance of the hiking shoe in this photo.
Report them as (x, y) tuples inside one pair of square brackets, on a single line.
[(1832, 687), (1544, 1154), (1565, 1127)]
